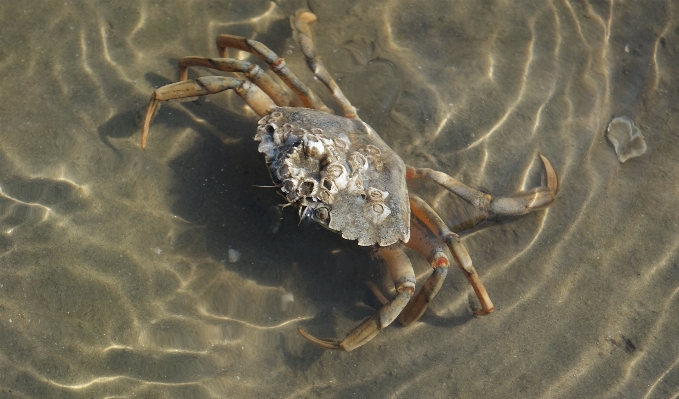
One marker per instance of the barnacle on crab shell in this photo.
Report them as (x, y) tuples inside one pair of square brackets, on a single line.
[(377, 212), (374, 194), (313, 147)]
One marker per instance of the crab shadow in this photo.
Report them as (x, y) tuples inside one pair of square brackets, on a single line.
[(216, 187)]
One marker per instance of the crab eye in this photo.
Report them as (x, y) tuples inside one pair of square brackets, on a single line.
[(322, 213)]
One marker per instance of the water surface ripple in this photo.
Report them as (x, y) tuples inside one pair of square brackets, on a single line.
[(118, 269)]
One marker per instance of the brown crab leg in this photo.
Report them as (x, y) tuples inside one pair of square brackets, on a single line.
[(302, 35), (424, 213), (403, 276), (429, 248), (517, 205), (251, 71), (189, 89), (277, 64)]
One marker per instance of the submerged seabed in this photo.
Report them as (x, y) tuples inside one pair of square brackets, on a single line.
[(167, 274)]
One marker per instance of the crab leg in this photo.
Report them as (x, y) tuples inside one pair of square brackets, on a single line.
[(425, 214), (277, 64), (403, 276), (302, 35), (189, 89), (251, 71), (429, 248), (517, 205)]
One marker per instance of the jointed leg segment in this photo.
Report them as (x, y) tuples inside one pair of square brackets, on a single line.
[(277, 64), (302, 34), (251, 71), (425, 214), (517, 205), (253, 94), (189, 89), (403, 276), (428, 247)]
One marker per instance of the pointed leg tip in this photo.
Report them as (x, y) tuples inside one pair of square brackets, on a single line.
[(323, 343), (306, 16), (552, 179), (483, 312), (143, 140)]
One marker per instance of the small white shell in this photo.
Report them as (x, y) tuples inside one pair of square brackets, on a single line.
[(270, 127), (342, 142), (307, 188), (338, 174), (375, 195), (291, 139), (358, 162), (287, 170), (313, 147), (372, 150), (280, 136), (329, 184), (376, 212), (289, 185), (373, 154), (355, 185), (267, 147), (327, 142), (325, 196)]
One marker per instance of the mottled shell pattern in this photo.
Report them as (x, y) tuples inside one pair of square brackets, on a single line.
[(339, 171)]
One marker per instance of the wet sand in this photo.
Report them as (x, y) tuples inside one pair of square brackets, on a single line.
[(118, 267)]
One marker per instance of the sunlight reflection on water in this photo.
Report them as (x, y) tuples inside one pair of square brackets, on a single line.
[(116, 272)]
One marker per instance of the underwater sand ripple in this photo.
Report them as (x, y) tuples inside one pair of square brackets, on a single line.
[(114, 277)]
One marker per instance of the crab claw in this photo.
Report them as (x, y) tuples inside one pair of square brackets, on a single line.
[(530, 201), (359, 336)]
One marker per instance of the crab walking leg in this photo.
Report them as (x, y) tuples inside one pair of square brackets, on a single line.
[(251, 71), (302, 35), (189, 89), (429, 248), (403, 276), (277, 64), (517, 205), (424, 213)]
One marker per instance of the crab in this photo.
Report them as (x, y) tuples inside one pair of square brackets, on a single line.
[(340, 173)]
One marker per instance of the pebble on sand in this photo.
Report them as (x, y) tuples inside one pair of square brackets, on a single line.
[(234, 255), (626, 138)]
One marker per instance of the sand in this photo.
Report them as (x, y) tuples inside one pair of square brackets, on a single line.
[(166, 273)]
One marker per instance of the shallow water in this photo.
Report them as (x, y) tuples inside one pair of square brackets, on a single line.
[(118, 274)]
